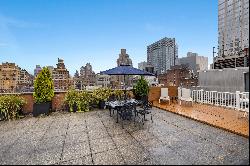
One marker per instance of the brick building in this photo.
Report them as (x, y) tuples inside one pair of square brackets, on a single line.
[(25, 81), (178, 75), (9, 74), (118, 81), (14, 79), (87, 75), (61, 77)]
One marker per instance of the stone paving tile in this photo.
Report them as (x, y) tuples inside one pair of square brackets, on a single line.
[(115, 131), (73, 151), (46, 156), (18, 153), (55, 132), (75, 138), (86, 160), (70, 138), (32, 136), (77, 129), (110, 157), (97, 134), (124, 139), (163, 155), (102, 144), (133, 154)]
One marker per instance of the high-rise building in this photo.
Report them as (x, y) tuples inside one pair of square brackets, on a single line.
[(37, 70), (194, 62), (233, 34), (142, 65), (162, 54), (61, 77), (87, 75)]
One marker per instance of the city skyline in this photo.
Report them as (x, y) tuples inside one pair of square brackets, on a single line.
[(39, 32)]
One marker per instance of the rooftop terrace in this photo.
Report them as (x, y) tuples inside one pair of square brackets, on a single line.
[(95, 138)]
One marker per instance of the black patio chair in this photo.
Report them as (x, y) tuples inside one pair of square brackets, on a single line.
[(145, 103), (145, 110)]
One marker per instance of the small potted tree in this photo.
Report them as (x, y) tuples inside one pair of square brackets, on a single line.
[(141, 89), (43, 92)]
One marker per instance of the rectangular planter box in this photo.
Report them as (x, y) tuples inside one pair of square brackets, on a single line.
[(42, 108)]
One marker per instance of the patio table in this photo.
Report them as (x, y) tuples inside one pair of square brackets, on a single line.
[(118, 105)]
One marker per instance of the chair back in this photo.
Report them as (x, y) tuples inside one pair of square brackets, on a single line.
[(179, 92), (186, 93), (164, 92)]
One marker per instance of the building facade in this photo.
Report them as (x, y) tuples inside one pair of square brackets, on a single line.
[(14, 79), (142, 65), (225, 80), (162, 54), (9, 74), (87, 75), (233, 34), (37, 70), (103, 80), (120, 81), (179, 75), (25, 81), (194, 62), (124, 59), (61, 77)]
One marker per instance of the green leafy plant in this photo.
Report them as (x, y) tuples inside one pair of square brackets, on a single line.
[(84, 101), (43, 87), (101, 94), (118, 93), (10, 105), (81, 99), (71, 98), (141, 88)]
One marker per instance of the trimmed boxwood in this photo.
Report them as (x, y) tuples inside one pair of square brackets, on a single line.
[(43, 92)]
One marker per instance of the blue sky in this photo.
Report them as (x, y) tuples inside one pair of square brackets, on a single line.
[(80, 31)]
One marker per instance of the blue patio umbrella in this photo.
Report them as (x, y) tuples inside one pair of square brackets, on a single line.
[(126, 70)]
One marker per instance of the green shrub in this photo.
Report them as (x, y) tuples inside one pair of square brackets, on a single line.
[(118, 93), (43, 87), (81, 99), (101, 94), (71, 98), (10, 105), (141, 88)]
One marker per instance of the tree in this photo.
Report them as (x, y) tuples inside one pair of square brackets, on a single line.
[(43, 86), (141, 88)]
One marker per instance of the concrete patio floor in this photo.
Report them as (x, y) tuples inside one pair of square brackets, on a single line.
[(95, 138)]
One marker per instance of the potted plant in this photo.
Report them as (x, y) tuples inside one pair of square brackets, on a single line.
[(11, 106), (43, 92), (101, 95), (141, 89), (71, 99), (119, 94)]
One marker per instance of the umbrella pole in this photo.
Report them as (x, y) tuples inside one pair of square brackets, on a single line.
[(125, 87)]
